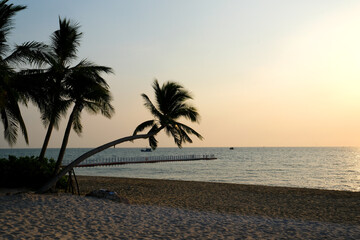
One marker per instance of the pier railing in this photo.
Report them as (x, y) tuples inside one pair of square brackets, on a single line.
[(110, 161)]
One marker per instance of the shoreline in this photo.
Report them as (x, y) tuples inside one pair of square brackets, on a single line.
[(239, 199)]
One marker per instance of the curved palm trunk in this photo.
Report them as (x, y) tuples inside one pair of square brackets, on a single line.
[(47, 138), (64, 142), (88, 154)]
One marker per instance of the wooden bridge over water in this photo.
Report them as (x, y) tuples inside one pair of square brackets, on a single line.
[(111, 161)]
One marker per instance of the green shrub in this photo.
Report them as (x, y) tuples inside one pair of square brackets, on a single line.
[(27, 172)]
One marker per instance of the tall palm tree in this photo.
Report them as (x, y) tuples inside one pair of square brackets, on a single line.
[(55, 73), (9, 97), (63, 48), (89, 91), (172, 104)]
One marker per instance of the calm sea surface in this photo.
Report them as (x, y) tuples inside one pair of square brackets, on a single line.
[(322, 168)]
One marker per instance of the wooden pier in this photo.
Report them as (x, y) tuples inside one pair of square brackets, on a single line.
[(111, 161)]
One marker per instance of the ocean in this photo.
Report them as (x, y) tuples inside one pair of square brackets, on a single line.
[(333, 168)]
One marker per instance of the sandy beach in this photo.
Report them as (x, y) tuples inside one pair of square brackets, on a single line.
[(161, 209)]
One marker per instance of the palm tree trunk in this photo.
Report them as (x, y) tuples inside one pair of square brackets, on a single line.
[(47, 138), (64, 142), (88, 154)]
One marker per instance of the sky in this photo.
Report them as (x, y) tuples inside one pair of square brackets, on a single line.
[(262, 73)]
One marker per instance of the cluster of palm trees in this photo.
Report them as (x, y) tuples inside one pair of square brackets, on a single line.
[(54, 85), (51, 82), (170, 105)]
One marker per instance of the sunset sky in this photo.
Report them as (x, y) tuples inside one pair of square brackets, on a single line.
[(262, 73)]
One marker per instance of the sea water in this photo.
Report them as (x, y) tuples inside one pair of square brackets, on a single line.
[(322, 168)]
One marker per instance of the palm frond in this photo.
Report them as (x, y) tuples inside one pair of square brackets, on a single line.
[(175, 133), (77, 126), (143, 125), (184, 136), (186, 111), (149, 105), (94, 107), (7, 12), (21, 122), (66, 40), (88, 72), (88, 66), (10, 111), (154, 129), (10, 127), (153, 143), (32, 52), (55, 110), (91, 107), (12, 121), (190, 130), (152, 140), (107, 110)]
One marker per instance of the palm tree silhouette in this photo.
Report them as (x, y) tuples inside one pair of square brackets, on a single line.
[(63, 48), (89, 91), (9, 96), (54, 82), (172, 104)]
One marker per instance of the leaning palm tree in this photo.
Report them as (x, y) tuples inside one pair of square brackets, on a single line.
[(9, 97), (89, 91), (171, 105)]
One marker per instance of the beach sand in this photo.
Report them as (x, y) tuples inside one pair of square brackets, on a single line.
[(162, 209), (278, 202)]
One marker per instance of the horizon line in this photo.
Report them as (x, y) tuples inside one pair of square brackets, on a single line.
[(193, 147)]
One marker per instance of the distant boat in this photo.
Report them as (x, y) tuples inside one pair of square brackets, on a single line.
[(231, 148), (146, 150)]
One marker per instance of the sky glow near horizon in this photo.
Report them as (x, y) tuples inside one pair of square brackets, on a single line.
[(263, 73)]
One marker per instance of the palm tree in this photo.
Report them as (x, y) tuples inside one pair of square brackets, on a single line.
[(54, 76), (172, 104), (9, 97), (89, 91), (63, 49)]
